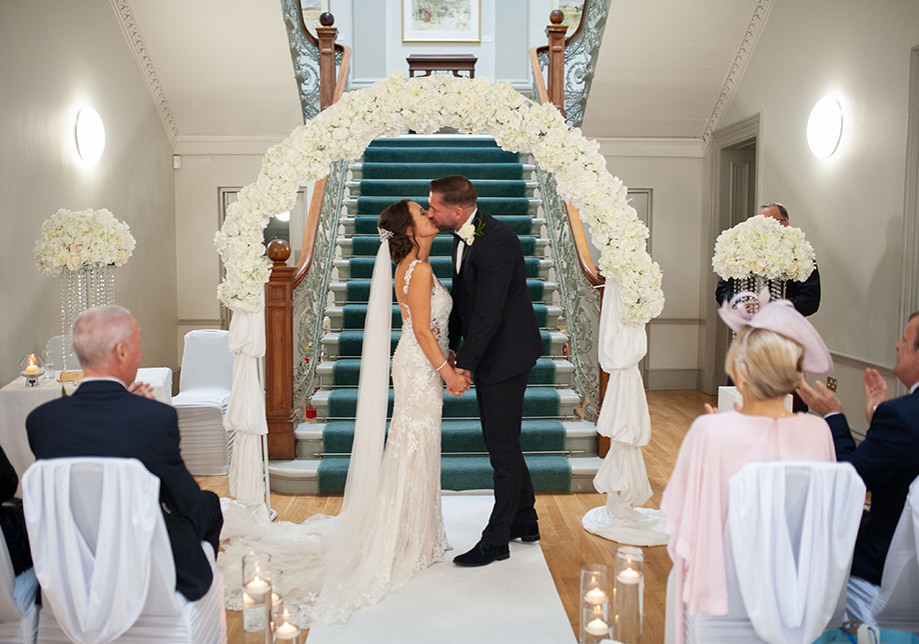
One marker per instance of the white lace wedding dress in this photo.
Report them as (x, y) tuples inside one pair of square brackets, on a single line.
[(333, 566)]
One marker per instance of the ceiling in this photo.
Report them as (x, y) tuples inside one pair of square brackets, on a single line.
[(662, 66)]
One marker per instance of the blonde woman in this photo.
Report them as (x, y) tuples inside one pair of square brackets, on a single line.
[(767, 360)]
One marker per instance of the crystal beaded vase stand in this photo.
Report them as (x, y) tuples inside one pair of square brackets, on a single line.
[(81, 289)]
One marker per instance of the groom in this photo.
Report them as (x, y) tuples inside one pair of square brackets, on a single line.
[(493, 315)]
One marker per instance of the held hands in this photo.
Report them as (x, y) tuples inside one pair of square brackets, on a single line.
[(875, 392), (141, 389), (819, 398), (455, 380)]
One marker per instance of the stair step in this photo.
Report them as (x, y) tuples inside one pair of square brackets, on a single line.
[(435, 140), (438, 154), (348, 344), (358, 290), (575, 436), (346, 372), (362, 267), (422, 187), (367, 224), (352, 316), (428, 171), (538, 402), (491, 205), (367, 246), (302, 477)]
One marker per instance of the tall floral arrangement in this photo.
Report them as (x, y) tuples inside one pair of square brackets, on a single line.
[(84, 238), (428, 104), (761, 246)]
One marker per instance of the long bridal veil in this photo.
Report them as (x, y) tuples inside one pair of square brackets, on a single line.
[(327, 563)]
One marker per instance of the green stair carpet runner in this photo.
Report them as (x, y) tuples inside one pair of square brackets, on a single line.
[(394, 169)]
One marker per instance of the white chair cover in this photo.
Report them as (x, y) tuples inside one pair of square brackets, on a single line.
[(789, 537), (103, 559), (18, 613), (895, 603), (204, 392)]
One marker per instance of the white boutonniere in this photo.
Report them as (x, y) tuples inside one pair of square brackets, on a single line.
[(467, 234)]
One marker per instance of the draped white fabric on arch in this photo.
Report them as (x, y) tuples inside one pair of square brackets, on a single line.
[(246, 414), (625, 420)]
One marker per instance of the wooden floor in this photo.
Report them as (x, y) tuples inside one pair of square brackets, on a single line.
[(566, 545)]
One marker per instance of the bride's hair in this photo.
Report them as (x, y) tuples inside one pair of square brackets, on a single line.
[(397, 218)]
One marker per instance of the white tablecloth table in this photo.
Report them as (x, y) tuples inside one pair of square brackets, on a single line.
[(17, 400)]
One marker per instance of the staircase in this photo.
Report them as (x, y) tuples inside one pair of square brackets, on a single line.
[(560, 451)]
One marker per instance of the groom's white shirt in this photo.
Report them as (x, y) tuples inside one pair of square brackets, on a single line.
[(459, 250)]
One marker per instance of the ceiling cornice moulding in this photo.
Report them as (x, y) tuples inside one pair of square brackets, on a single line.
[(139, 49), (754, 29)]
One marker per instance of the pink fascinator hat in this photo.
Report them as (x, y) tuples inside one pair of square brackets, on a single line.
[(779, 316)]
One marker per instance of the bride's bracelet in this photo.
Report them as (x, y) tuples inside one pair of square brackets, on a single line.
[(441, 366)]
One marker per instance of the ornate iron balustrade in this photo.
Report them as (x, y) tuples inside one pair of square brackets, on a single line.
[(579, 299), (581, 51), (311, 294)]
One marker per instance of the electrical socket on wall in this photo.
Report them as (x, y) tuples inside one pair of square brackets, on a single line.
[(831, 383)]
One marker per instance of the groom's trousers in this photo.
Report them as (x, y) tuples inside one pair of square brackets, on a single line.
[(501, 411)]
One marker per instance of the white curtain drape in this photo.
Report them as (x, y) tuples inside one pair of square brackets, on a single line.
[(625, 420), (246, 413)]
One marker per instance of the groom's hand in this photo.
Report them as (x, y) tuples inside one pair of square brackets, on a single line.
[(467, 376)]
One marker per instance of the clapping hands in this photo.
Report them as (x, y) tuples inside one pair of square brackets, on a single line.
[(141, 389)]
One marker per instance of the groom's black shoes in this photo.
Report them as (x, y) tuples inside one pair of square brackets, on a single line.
[(527, 535), (482, 555)]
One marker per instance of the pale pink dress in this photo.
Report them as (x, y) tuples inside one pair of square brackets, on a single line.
[(695, 500)]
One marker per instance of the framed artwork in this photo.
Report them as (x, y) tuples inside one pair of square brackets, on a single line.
[(441, 21), (312, 9), (572, 10)]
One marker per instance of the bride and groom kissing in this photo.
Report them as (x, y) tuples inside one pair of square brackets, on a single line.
[(483, 333)]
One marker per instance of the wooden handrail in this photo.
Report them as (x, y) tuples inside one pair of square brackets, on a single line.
[(591, 272), (279, 353)]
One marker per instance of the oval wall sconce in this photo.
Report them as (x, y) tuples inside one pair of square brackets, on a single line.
[(90, 134), (824, 127)]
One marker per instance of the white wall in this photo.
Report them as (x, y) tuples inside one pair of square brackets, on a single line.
[(55, 56), (851, 205), (673, 170)]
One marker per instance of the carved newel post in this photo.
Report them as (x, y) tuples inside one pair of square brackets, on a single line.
[(556, 34), (327, 34), (279, 359)]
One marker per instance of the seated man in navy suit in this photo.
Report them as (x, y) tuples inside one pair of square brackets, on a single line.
[(112, 415), (888, 458)]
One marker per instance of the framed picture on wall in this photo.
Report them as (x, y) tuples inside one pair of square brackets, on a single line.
[(441, 21)]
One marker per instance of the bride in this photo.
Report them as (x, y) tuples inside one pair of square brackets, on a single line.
[(390, 524)]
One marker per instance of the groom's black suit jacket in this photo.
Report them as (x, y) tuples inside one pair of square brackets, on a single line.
[(102, 419), (492, 310)]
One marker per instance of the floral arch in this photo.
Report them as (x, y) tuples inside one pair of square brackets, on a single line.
[(395, 105)]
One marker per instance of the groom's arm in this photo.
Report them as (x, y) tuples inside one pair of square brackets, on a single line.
[(493, 274)]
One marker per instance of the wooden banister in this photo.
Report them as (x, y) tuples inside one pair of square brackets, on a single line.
[(279, 291), (588, 268)]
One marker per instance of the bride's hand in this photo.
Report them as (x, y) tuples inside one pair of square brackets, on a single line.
[(456, 383)]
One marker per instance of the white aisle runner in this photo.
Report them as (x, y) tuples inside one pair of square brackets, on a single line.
[(505, 602)]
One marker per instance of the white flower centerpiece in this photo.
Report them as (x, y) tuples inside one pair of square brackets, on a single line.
[(427, 104), (762, 252), (89, 244)]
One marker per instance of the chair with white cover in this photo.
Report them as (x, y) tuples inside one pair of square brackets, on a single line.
[(895, 603), (789, 537), (204, 391), (103, 558), (18, 612), (60, 348)]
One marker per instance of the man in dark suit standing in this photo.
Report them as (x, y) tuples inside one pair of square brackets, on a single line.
[(888, 458), (493, 315), (111, 415)]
